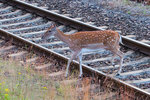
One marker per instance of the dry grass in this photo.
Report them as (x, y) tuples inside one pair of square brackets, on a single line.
[(23, 83)]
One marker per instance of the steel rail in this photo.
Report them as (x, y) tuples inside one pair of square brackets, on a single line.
[(133, 44), (86, 69), (78, 24)]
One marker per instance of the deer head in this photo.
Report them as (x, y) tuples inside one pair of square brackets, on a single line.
[(51, 31)]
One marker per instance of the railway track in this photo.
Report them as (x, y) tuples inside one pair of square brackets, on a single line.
[(66, 8), (26, 25)]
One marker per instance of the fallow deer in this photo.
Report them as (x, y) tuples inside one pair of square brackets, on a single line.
[(83, 41)]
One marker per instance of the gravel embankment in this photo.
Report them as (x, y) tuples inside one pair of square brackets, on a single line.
[(115, 19)]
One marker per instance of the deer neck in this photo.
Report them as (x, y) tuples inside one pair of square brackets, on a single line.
[(60, 35)]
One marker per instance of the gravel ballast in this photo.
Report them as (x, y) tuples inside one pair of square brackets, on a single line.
[(116, 18)]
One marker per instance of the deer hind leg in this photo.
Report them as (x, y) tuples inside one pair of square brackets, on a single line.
[(70, 60), (120, 54), (80, 61)]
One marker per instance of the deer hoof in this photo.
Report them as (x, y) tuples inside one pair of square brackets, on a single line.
[(80, 76), (66, 75), (117, 74)]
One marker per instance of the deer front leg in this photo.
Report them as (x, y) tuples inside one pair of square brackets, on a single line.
[(120, 68), (112, 60), (80, 61), (74, 54)]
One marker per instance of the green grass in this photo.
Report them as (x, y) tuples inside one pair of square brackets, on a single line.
[(23, 83), (133, 7)]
